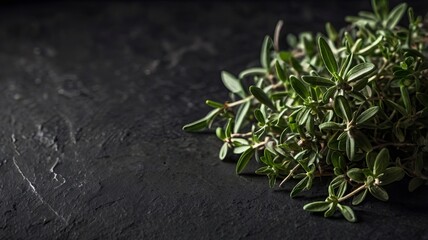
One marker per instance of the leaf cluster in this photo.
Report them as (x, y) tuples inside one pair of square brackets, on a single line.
[(350, 105)]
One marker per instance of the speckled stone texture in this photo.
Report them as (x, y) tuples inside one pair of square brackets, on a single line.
[(93, 97)]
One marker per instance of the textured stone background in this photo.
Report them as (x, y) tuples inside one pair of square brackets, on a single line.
[(93, 97)]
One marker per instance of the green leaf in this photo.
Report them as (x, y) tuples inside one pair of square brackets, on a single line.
[(223, 151), (327, 56), (347, 212), (356, 175), (300, 186), (359, 198), (296, 65), (331, 210), (360, 71), (342, 108), (342, 189), (380, 8), (370, 47), (239, 141), (346, 65), (328, 94), (228, 129), (196, 126), (331, 126), (337, 181), (262, 97), (272, 179), (320, 206), (362, 141), (303, 116), (398, 133), (390, 175), (367, 115), (299, 87), (259, 116), (240, 149), (331, 32), (232, 83), (415, 183), (379, 193), (406, 98), (202, 123), (280, 72), (265, 53), (396, 107), (350, 147), (356, 45), (395, 15), (370, 159), (244, 159), (338, 160), (318, 81), (220, 133), (241, 114), (264, 170), (381, 162), (252, 72)]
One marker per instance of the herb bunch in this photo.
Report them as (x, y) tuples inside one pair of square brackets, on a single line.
[(351, 105)]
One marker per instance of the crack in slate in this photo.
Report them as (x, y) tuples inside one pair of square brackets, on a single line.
[(33, 189)]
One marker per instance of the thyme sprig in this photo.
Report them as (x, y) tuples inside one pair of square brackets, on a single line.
[(350, 105)]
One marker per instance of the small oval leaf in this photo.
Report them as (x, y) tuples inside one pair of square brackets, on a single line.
[(379, 193), (367, 115), (318, 81), (265, 52), (356, 175), (347, 212), (241, 114), (260, 95), (232, 83), (327, 56), (223, 151), (342, 108), (299, 87), (331, 126), (317, 206), (252, 72), (360, 71), (390, 175), (244, 159), (381, 162)]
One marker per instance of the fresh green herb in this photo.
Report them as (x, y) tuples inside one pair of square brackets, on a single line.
[(351, 105)]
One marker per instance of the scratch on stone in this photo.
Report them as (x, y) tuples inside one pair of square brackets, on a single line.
[(33, 189), (56, 174)]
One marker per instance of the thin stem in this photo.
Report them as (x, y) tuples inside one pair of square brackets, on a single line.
[(248, 134), (239, 102), (352, 193), (290, 174), (255, 146)]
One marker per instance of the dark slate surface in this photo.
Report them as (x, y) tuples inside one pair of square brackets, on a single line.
[(93, 97)]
